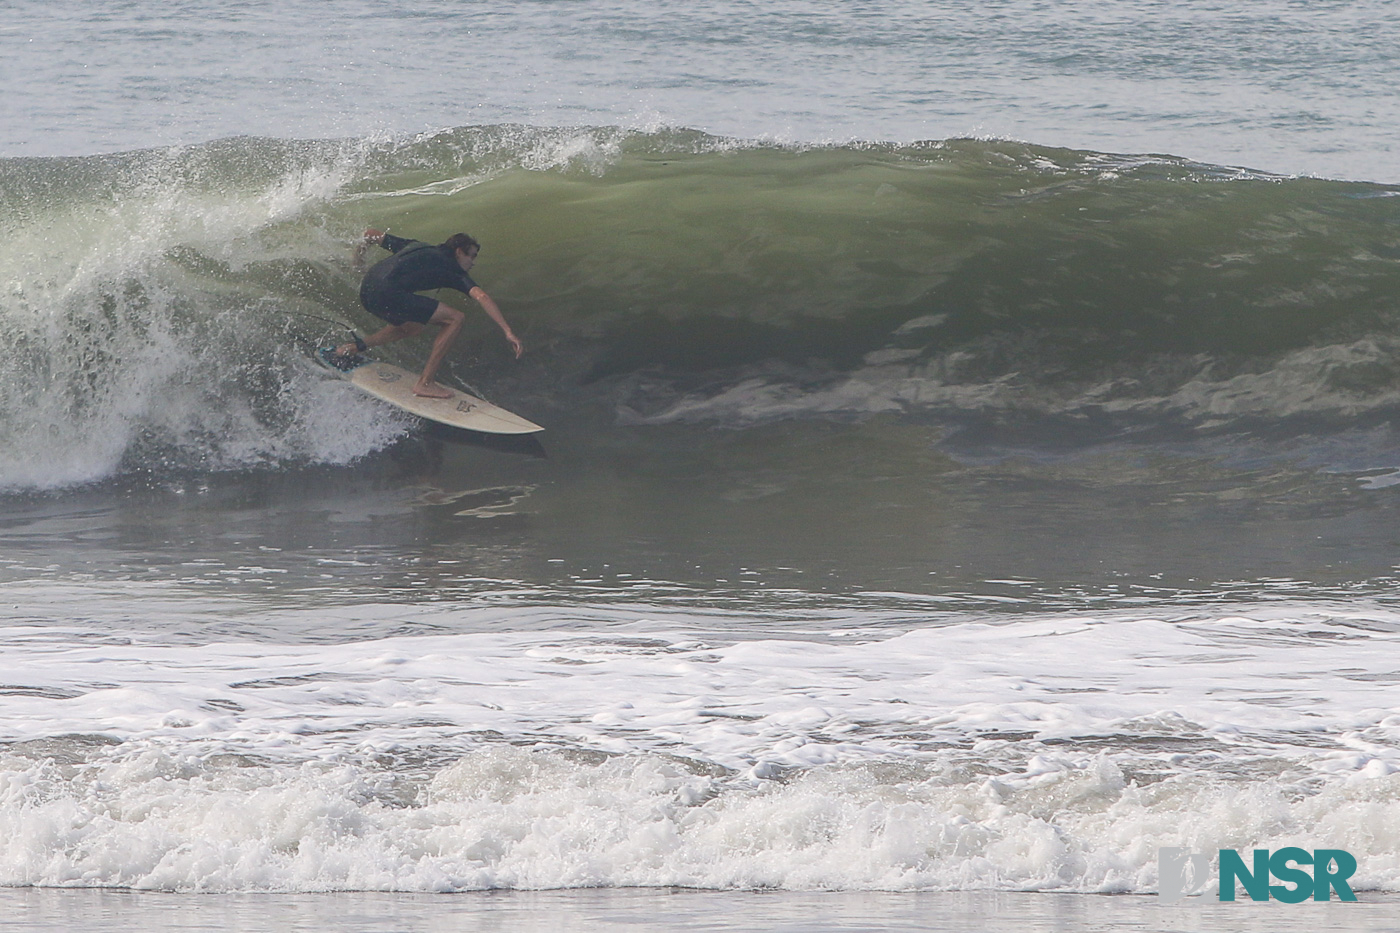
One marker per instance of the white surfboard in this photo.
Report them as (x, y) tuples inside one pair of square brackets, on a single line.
[(395, 386)]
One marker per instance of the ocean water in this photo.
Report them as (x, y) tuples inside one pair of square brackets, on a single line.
[(969, 465)]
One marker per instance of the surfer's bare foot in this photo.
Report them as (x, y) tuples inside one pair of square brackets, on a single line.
[(432, 390)]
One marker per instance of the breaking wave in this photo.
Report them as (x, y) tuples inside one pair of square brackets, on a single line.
[(156, 304)]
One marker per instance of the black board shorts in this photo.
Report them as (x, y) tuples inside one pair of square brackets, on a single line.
[(395, 305)]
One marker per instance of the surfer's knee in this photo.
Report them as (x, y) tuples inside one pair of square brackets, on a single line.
[(449, 317)]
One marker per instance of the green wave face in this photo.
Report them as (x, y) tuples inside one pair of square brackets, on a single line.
[(154, 299)]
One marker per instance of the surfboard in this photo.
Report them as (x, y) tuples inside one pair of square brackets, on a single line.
[(391, 384)]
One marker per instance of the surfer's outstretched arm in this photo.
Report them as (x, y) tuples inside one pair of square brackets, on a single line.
[(489, 306)]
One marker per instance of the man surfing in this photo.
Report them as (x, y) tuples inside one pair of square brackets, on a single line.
[(389, 292)]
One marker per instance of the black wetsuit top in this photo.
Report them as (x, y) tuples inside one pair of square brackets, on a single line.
[(388, 289), (420, 267)]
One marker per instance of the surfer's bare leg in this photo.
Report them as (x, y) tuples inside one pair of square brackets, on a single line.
[(450, 320), (382, 336)]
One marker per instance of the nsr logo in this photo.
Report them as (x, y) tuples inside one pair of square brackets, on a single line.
[(1182, 873)]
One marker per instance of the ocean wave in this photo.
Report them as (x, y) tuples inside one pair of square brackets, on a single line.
[(154, 301)]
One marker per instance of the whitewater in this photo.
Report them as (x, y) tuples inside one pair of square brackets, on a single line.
[(969, 465), (621, 748)]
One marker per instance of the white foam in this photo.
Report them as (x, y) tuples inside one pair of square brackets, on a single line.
[(902, 380), (1053, 753), (111, 346)]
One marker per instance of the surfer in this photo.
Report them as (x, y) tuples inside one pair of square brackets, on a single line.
[(389, 292)]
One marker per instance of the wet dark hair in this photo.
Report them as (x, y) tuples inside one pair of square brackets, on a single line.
[(461, 241)]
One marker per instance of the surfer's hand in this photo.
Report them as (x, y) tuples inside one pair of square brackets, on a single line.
[(515, 344), (371, 235)]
